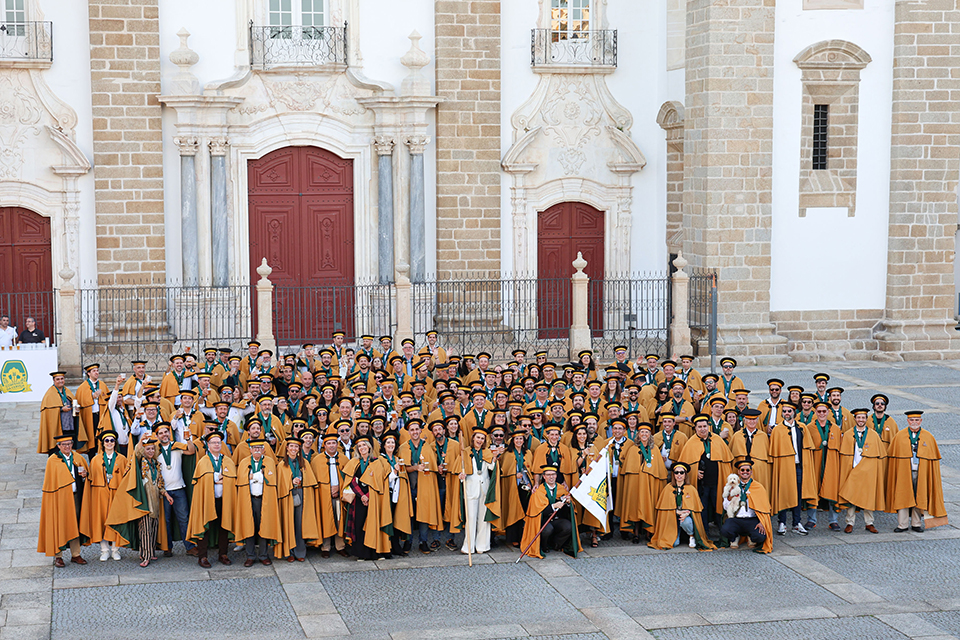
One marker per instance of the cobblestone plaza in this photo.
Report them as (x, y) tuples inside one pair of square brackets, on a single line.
[(825, 585)]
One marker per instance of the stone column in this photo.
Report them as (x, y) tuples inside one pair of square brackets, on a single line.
[(404, 301), (265, 308), (189, 241), (384, 145), (924, 163), (580, 329), (220, 240), (680, 327), (68, 350), (728, 149), (418, 238)]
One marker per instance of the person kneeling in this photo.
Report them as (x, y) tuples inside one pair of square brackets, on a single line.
[(752, 517)]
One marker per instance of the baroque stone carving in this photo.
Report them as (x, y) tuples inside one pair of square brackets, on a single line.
[(20, 114)]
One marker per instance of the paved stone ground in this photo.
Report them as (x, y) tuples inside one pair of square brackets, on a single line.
[(825, 585)]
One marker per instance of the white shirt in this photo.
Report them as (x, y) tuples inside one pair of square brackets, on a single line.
[(7, 336), (256, 481), (334, 474), (123, 432), (857, 451), (795, 440), (172, 477)]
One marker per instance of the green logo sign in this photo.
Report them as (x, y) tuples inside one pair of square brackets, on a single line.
[(13, 377)]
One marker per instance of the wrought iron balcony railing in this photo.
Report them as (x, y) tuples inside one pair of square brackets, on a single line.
[(297, 46), (574, 48), (26, 41)]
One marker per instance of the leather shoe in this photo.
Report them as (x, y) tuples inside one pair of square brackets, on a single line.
[(58, 562), (248, 562), (203, 562), (266, 562), (343, 552), (900, 529), (168, 554), (290, 558), (193, 551), (872, 529), (917, 529), (225, 560), (848, 528), (324, 554), (78, 560)]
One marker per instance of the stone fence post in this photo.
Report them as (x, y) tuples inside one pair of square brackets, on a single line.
[(404, 302), (68, 349), (580, 329), (680, 325), (265, 308)]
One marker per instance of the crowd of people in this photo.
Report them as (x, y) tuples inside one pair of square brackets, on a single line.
[(9, 337), (372, 452)]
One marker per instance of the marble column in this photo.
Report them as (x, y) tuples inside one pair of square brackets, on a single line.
[(189, 245), (220, 243), (384, 146), (418, 249)]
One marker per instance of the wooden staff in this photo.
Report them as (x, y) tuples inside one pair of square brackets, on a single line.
[(466, 509)]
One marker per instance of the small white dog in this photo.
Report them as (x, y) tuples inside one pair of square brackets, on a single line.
[(731, 493)]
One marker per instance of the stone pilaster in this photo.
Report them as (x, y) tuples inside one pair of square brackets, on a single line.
[(468, 135), (127, 141), (924, 163), (728, 145)]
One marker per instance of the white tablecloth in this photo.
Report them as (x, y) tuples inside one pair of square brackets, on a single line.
[(25, 373)]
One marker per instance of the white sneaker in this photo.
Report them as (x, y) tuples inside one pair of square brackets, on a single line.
[(798, 529), (115, 554), (693, 542), (782, 530), (104, 555), (735, 543)]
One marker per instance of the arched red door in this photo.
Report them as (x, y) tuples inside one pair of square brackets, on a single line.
[(301, 221), (26, 272), (563, 230)]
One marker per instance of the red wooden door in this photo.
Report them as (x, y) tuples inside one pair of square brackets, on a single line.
[(26, 271), (562, 231), (301, 221)]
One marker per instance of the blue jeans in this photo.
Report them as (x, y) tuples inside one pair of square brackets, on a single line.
[(687, 525), (181, 510), (812, 513)]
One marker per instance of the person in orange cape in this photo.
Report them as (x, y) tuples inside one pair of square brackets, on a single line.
[(397, 504), (561, 531), (914, 486), (753, 442), (106, 474), (516, 482), (826, 464), (136, 514), (63, 487), (753, 511), (553, 452), (361, 530), (298, 499), (57, 418), (642, 476), (92, 396), (678, 508), (793, 483), (861, 472), (420, 461), (668, 441), (449, 476), (328, 466), (214, 495), (256, 520), (709, 459)]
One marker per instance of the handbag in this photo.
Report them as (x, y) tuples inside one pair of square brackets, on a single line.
[(347, 495)]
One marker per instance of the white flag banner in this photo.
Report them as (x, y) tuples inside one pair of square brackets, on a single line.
[(593, 492)]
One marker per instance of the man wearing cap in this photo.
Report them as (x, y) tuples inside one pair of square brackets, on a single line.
[(177, 461), (826, 465), (175, 380), (135, 383), (146, 421), (718, 425), (838, 414), (741, 402), (914, 486), (792, 480), (624, 467), (692, 377), (752, 517), (256, 520), (558, 533), (885, 426), (59, 415), (479, 415), (449, 471), (752, 442), (731, 382), (709, 460), (678, 508), (554, 453), (337, 338), (212, 366), (681, 408), (63, 484), (212, 506), (668, 441), (420, 461), (328, 470), (249, 363), (861, 472), (206, 394), (770, 407), (273, 429), (187, 416), (710, 389), (92, 396), (820, 380)]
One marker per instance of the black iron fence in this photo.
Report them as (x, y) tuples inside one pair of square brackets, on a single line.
[(313, 313), (634, 311), (153, 322), (702, 311), (297, 45), (576, 48), (39, 305), (26, 41)]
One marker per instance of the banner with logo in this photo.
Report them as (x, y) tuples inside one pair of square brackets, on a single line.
[(593, 491), (25, 374)]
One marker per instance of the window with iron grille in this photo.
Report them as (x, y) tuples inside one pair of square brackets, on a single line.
[(296, 18), (569, 19), (14, 16), (821, 123)]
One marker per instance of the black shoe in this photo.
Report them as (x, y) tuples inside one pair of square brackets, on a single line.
[(917, 529), (901, 529), (424, 549), (451, 545), (435, 545), (607, 536), (624, 535)]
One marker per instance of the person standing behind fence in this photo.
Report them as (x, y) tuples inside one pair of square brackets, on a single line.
[(32, 334), (8, 334)]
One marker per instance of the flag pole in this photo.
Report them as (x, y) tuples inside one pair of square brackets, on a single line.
[(466, 508), (537, 537)]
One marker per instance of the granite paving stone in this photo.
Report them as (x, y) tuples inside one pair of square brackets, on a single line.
[(948, 621), (827, 629)]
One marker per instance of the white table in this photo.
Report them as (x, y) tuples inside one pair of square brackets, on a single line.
[(25, 373)]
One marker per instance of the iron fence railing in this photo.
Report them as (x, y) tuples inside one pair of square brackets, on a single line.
[(297, 45), (577, 48), (312, 313), (39, 305), (633, 310), (152, 322), (495, 315), (26, 41)]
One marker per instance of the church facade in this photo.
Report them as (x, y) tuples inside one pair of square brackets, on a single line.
[(807, 151)]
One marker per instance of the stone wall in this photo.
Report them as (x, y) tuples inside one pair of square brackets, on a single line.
[(127, 140), (728, 149), (924, 168), (468, 135), (830, 334)]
